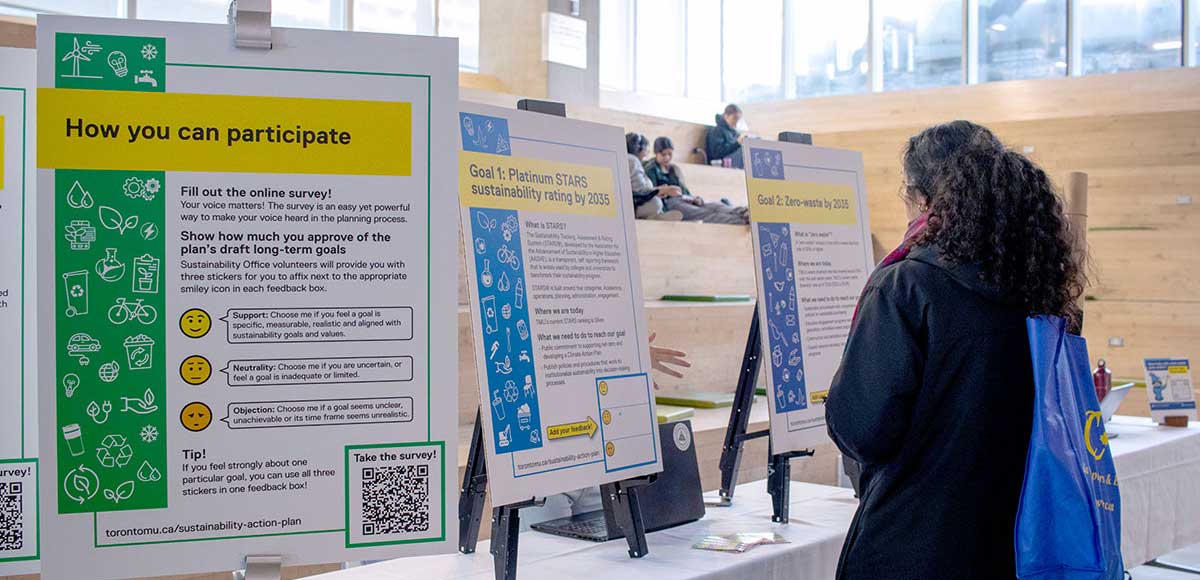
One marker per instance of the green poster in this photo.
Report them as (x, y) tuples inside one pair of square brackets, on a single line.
[(111, 401)]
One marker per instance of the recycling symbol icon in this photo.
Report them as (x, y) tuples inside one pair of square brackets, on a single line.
[(114, 451)]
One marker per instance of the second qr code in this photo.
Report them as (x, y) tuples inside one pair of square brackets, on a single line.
[(394, 493)]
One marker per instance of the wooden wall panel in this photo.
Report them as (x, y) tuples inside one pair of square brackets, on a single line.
[(1153, 91)]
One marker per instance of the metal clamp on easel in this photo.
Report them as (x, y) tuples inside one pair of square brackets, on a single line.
[(627, 510), (473, 492), (779, 467), (261, 568), (506, 529), (251, 20)]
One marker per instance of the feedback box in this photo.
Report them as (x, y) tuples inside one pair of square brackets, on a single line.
[(318, 324), (318, 371)]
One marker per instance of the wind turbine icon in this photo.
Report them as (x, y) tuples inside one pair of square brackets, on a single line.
[(81, 54)]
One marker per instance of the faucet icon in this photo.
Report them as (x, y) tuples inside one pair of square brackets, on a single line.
[(145, 77)]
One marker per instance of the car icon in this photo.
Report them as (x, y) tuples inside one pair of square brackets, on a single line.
[(80, 344)]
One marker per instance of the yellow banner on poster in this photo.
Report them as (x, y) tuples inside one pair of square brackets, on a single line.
[(800, 202), (526, 184), (82, 129)]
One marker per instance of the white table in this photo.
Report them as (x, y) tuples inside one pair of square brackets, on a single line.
[(1159, 474), (1158, 467), (820, 516)]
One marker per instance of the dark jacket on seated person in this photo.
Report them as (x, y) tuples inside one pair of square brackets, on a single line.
[(668, 177), (721, 141), (934, 398)]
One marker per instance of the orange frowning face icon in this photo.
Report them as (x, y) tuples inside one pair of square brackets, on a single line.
[(195, 416)]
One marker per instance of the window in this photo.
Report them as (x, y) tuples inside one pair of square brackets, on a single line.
[(460, 19), (660, 67), (77, 7), (704, 49), (214, 11), (1194, 13), (1022, 40), (616, 45), (922, 43), (829, 50), (293, 14), (407, 17), (1121, 35), (753, 50)]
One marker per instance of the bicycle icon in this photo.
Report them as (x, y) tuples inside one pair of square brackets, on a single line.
[(506, 256), (125, 310)]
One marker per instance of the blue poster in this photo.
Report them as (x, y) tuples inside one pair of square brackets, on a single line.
[(507, 344), (785, 356)]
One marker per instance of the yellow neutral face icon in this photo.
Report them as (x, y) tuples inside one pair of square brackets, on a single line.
[(195, 416), (195, 370), (195, 323)]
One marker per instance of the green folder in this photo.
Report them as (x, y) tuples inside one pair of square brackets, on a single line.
[(702, 400), (708, 297), (671, 413)]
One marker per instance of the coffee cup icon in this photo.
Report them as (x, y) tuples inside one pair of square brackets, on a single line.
[(139, 352)]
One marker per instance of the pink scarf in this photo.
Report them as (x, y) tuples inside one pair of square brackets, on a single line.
[(914, 230)]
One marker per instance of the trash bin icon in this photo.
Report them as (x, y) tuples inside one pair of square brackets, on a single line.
[(139, 352), (76, 285)]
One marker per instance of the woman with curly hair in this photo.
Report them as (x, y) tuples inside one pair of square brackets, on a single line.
[(934, 396)]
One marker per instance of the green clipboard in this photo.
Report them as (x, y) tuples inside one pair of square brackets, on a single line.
[(671, 413), (700, 400), (707, 297)]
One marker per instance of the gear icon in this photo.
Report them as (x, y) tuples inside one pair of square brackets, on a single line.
[(134, 187), (152, 186), (149, 52)]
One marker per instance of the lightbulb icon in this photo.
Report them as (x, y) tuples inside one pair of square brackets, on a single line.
[(70, 382), (117, 61)]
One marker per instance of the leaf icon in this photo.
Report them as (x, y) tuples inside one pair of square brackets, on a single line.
[(110, 218), (130, 223), (109, 495), (83, 485), (148, 398), (124, 491), (93, 409)]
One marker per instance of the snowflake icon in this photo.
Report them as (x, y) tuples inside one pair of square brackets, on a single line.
[(149, 433), (149, 52)]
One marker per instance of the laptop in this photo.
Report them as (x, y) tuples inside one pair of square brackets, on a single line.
[(674, 498), (1112, 400)]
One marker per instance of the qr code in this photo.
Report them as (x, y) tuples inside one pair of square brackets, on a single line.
[(12, 516), (395, 499)]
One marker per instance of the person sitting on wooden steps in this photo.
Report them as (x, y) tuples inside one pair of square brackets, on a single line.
[(662, 172), (647, 197)]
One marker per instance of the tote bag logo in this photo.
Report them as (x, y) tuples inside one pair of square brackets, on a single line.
[(1094, 434)]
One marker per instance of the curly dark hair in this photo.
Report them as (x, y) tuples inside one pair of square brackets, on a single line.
[(992, 206)]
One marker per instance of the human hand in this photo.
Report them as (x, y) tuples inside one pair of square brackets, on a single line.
[(669, 191), (741, 137), (660, 357), (696, 200)]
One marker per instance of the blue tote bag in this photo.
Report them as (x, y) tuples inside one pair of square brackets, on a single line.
[(1069, 518)]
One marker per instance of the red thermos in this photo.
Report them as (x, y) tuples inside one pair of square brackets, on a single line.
[(1102, 380)]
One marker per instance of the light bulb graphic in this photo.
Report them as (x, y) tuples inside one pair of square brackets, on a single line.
[(70, 382), (117, 61)]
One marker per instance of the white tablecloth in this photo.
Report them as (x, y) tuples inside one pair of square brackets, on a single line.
[(820, 516), (1159, 473), (1158, 467)]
